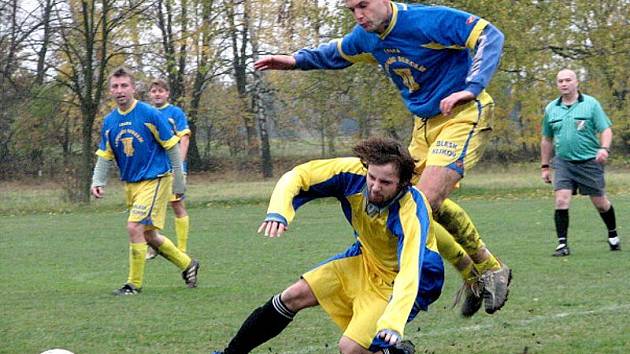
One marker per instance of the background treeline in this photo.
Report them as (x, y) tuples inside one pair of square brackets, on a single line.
[(55, 56)]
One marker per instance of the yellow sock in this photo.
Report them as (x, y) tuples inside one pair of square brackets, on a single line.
[(457, 222), (485, 261), (452, 251), (137, 253), (182, 225), (173, 254)]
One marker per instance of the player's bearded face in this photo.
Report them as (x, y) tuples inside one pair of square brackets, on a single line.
[(383, 183), (122, 90), (372, 15)]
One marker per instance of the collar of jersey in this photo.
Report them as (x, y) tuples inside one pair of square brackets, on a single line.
[(579, 99), (133, 105), (392, 23), (372, 209), (164, 106)]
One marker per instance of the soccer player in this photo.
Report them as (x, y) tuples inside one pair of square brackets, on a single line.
[(440, 59), (142, 143), (391, 272), (577, 126), (160, 94)]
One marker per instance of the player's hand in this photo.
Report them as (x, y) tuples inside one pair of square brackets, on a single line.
[(275, 62), (98, 192), (602, 156), (272, 228), (545, 174), (389, 335), (447, 104)]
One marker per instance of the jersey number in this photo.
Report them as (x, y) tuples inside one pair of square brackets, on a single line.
[(407, 79)]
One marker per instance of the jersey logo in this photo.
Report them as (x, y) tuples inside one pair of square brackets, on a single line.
[(127, 146), (471, 19), (580, 124)]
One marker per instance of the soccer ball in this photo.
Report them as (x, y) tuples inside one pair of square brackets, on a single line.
[(57, 351)]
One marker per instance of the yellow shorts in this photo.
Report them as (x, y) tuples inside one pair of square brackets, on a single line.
[(147, 201), (457, 141), (353, 300)]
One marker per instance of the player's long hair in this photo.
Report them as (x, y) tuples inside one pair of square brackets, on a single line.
[(381, 151)]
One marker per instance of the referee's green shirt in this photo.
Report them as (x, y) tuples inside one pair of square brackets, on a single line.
[(575, 128)]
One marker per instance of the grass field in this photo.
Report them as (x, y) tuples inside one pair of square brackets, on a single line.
[(60, 268)]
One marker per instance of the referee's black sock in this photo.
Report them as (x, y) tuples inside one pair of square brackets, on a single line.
[(611, 222), (262, 324), (561, 218)]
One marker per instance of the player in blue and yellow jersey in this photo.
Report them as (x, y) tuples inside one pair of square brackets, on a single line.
[(140, 140), (440, 59), (160, 94), (381, 282)]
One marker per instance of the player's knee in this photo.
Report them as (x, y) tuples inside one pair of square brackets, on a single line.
[(298, 296), (348, 346)]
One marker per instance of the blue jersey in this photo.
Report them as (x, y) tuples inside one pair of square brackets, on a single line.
[(137, 139), (427, 51), (176, 118), (395, 241)]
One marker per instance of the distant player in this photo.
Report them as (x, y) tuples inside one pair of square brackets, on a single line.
[(142, 143), (440, 59), (390, 273), (160, 94)]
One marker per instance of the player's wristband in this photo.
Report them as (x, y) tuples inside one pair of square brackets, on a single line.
[(544, 166), (605, 148)]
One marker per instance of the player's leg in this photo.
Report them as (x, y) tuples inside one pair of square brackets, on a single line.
[(446, 147), (182, 223), (562, 200), (136, 198), (272, 318), (607, 213), (137, 252)]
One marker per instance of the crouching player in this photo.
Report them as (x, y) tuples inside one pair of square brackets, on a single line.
[(390, 273)]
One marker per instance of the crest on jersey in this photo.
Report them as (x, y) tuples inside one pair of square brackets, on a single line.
[(471, 19), (580, 124), (127, 146)]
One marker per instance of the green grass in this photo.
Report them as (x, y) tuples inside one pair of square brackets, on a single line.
[(522, 181), (59, 270)]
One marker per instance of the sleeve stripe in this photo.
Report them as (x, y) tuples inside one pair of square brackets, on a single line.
[(107, 155), (475, 33), (364, 57)]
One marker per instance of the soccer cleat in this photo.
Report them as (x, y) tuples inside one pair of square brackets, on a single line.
[(496, 287), (402, 347), (562, 250), (472, 293), (614, 243), (151, 253), (127, 289), (190, 274)]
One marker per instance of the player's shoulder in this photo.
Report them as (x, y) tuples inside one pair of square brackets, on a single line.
[(589, 99), (552, 104)]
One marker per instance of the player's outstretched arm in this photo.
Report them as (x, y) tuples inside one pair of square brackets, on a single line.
[(275, 62), (272, 228)]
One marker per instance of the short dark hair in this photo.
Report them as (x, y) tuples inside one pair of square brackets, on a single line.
[(122, 71), (159, 83), (381, 151)]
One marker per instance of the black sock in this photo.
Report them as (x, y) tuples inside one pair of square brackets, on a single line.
[(611, 222), (561, 218), (262, 324)]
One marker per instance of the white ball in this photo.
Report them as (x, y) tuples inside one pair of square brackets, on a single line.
[(57, 351)]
